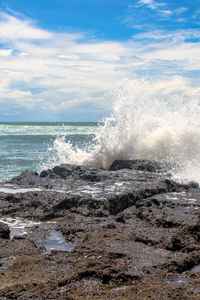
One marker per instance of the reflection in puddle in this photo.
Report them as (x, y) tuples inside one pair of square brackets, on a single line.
[(56, 241), (179, 279)]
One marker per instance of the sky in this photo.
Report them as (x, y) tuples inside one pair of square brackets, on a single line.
[(60, 60)]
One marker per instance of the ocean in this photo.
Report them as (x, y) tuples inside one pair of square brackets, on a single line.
[(143, 125), (30, 146)]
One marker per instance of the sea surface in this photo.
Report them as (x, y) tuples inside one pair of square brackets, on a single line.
[(143, 125), (30, 146)]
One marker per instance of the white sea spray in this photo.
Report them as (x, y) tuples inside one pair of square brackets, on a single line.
[(145, 124)]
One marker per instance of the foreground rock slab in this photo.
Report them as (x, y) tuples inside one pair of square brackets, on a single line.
[(132, 233)]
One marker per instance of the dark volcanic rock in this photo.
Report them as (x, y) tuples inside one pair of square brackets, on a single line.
[(26, 177), (67, 172), (135, 232), (84, 190), (4, 231), (142, 165)]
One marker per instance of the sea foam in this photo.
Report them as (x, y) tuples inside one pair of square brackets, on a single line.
[(144, 124)]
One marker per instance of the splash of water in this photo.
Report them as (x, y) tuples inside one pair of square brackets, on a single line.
[(144, 125)]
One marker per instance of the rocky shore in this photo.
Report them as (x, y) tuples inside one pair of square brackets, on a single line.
[(76, 232)]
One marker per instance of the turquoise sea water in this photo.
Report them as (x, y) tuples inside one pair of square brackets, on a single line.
[(29, 145)]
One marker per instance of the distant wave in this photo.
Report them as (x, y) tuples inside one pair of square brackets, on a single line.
[(42, 129)]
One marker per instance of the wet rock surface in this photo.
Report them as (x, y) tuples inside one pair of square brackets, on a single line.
[(130, 232)]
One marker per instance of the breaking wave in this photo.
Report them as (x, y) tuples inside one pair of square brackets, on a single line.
[(144, 124)]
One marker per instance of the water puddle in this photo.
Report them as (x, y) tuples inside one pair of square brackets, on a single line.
[(56, 241), (191, 200), (16, 190), (88, 190), (195, 269), (6, 262), (183, 279), (120, 288), (17, 226), (119, 183), (178, 280)]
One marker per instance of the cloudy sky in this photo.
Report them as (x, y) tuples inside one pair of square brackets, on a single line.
[(60, 59)]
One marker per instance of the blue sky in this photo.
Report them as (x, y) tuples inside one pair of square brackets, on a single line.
[(59, 59)]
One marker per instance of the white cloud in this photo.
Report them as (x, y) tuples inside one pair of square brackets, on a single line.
[(26, 37), (53, 72), (174, 85), (166, 12), (4, 52), (23, 54), (180, 10), (181, 20), (151, 3), (14, 28), (175, 36), (73, 57), (19, 94), (196, 14)]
